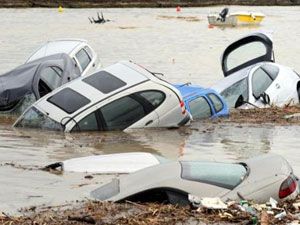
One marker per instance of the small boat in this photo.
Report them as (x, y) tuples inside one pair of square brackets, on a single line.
[(224, 18)]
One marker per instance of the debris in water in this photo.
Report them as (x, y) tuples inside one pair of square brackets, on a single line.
[(186, 18)]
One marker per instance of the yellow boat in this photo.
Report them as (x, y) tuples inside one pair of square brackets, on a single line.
[(234, 19)]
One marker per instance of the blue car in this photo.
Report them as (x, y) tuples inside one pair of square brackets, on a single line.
[(202, 102)]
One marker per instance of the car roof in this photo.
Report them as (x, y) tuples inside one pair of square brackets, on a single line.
[(56, 46), (125, 71), (190, 90)]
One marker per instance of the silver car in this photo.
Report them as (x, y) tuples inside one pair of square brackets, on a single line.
[(255, 179), (79, 50)]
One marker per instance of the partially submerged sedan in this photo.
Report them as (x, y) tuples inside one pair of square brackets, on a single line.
[(25, 84), (253, 79), (119, 97), (255, 179), (85, 58), (202, 103)]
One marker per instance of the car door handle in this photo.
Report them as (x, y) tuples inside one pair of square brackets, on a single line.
[(277, 86), (94, 65), (149, 122)]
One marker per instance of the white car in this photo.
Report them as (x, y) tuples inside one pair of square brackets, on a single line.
[(119, 97), (84, 56), (255, 179), (253, 79)]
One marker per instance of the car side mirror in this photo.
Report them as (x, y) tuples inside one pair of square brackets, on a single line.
[(239, 101), (265, 98)]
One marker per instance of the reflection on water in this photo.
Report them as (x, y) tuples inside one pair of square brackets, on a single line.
[(180, 46)]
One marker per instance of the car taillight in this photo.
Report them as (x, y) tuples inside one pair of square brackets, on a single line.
[(182, 106), (287, 187)]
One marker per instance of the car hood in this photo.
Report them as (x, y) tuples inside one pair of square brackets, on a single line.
[(15, 84)]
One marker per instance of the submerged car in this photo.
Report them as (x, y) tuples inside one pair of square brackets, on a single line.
[(31, 81), (110, 163), (255, 179), (253, 79), (202, 102), (119, 97), (79, 50)]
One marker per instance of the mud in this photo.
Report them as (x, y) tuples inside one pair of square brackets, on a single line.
[(273, 115), (93, 212)]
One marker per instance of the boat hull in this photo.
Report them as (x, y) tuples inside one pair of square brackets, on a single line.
[(236, 19)]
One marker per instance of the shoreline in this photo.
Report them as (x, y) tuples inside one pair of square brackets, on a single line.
[(141, 4)]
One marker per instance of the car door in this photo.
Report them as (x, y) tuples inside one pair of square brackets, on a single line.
[(200, 108), (218, 105), (262, 81), (247, 51), (127, 111), (118, 113), (84, 59)]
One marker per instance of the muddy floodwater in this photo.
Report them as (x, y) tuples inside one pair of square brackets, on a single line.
[(181, 46)]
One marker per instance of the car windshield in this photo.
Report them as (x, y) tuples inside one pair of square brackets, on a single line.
[(232, 93), (33, 118), (226, 175)]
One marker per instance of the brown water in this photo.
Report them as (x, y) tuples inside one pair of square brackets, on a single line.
[(183, 50)]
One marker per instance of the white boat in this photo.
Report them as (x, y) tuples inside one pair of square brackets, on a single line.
[(233, 19)]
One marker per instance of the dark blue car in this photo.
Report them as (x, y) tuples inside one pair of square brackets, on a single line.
[(202, 102)]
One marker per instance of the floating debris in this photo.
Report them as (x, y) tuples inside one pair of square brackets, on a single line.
[(100, 19), (186, 18), (91, 212)]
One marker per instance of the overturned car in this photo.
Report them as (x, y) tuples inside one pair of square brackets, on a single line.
[(29, 82), (119, 97), (253, 79), (255, 179)]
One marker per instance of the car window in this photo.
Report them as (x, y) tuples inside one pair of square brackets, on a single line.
[(154, 97), (33, 118), (272, 70), (88, 123), (104, 82), (232, 93), (52, 76), (68, 100), (245, 53), (122, 113), (89, 51), (260, 82), (83, 59), (200, 108), (224, 175), (216, 101)]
